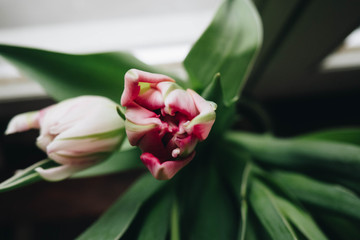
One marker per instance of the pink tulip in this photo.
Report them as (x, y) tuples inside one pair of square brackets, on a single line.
[(164, 120), (76, 133)]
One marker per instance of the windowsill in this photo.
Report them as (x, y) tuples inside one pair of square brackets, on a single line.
[(159, 40)]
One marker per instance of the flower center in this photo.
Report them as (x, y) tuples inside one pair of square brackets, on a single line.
[(172, 131)]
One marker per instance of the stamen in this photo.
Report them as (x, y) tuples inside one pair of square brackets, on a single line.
[(175, 153)]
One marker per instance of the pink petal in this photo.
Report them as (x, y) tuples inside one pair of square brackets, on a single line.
[(139, 121), (201, 104), (132, 88), (135, 136), (152, 143), (151, 99), (201, 125), (167, 87), (202, 130), (141, 116), (180, 101), (186, 145), (165, 170)]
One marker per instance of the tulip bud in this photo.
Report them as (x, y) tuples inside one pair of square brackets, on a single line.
[(164, 120), (76, 133)]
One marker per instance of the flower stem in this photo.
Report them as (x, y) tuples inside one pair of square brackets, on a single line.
[(175, 233)]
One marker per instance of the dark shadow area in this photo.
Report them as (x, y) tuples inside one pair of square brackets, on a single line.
[(290, 117)]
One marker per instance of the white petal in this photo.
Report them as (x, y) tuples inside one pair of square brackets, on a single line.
[(59, 173), (23, 122)]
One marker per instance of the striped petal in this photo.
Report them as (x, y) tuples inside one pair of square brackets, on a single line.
[(132, 88), (165, 170), (201, 125)]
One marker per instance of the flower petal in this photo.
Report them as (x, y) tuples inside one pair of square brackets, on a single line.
[(81, 116), (23, 122), (141, 116), (43, 141), (135, 132), (202, 105), (151, 99), (132, 79), (185, 145), (167, 87), (152, 142), (165, 170), (89, 145), (59, 173), (201, 125), (139, 121), (201, 130), (78, 158), (179, 100)]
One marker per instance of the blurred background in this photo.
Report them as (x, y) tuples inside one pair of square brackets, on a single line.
[(307, 78), (158, 32)]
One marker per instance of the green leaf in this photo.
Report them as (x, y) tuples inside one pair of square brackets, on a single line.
[(244, 202), (215, 217), (156, 224), (254, 228), (345, 135), (65, 75), (263, 202), (114, 222), (213, 91), (334, 198), (340, 228), (207, 209), (26, 176), (302, 220), (235, 166), (352, 184), (119, 161), (224, 114), (232, 165), (229, 46), (251, 230), (300, 154)]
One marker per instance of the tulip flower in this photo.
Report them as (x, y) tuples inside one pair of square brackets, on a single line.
[(76, 133), (164, 120)]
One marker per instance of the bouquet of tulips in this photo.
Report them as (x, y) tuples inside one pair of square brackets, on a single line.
[(206, 178)]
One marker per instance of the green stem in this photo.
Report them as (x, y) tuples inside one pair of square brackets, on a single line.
[(175, 233), (24, 172)]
